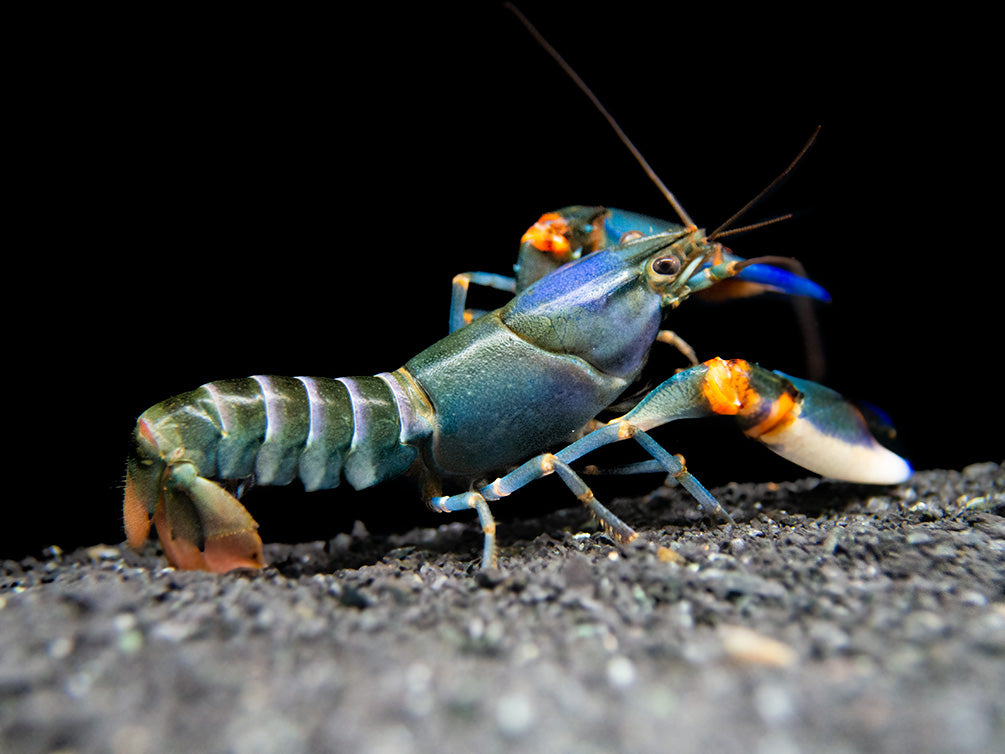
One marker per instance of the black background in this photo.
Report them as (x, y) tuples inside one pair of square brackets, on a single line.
[(209, 197)]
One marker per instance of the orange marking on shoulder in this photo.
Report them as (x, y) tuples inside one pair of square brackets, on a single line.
[(550, 234)]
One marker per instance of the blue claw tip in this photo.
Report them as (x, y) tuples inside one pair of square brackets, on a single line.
[(784, 281)]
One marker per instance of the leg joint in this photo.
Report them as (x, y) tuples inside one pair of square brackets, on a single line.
[(683, 466)]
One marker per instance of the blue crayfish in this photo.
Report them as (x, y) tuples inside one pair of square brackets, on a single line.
[(491, 395), (593, 288)]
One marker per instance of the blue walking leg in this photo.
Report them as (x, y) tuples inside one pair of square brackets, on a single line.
[(467, 501)]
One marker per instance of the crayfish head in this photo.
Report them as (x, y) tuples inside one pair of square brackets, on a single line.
[(600, 307), (674, 269)]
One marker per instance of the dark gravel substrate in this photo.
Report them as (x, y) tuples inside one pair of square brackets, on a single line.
[(834, 618)]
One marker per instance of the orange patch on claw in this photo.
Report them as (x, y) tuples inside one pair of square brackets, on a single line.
[(780, 416), (728, 390), (550, 233), (723, 387)]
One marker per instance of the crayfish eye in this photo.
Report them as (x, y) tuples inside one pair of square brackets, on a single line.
[(666, 266)]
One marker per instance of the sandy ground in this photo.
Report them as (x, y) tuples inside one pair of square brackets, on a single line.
[(833, 618)]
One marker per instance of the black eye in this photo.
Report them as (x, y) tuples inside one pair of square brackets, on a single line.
[(666, 266)]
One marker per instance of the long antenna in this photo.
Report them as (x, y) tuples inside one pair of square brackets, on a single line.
[(753, 226), (746, 207), (685, 218), (802, 306)]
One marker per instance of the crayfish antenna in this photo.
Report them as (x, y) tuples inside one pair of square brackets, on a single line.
[(721, 230), (816, 363), (571, 73), (753, 226)]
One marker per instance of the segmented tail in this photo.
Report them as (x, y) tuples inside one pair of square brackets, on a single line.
[(266, 428)]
